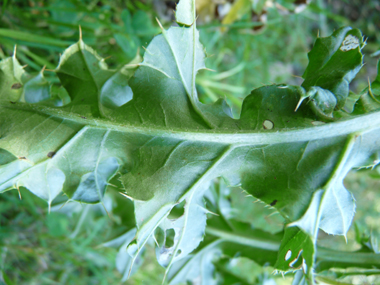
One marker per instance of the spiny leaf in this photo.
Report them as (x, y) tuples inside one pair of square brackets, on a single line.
[(165, 145), (296, 252), (124, 261), (370, 97), (189, 230), (185, 12), (12, 77), (333, 62)]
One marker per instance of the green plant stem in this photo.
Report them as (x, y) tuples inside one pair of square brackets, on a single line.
[(326, 280), (250, 241), (323, 254), (241, 25)]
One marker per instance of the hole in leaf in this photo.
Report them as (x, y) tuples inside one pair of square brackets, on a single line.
[(304, 266), (159, 236), (288, 255), (177, 210), (268, 125), (294, 263), (169, 239)]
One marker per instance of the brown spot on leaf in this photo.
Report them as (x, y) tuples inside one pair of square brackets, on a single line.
[(51, 154), (273, 203), (16, 86), (22, 157)]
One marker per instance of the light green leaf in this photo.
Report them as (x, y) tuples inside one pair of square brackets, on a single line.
[(12, 77), (37, 89), (128, 43), (116, 92), (185, 12), (124, 260), (166, 146), (188, 229), (197, 267), (299, 279)]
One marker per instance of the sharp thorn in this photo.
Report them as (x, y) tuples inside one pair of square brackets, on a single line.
[(80, 33), (125, 195), (64, 204), (19, 193), (299, 104), (159, 23)]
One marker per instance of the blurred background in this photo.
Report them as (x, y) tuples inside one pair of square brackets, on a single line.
[(249, 43)]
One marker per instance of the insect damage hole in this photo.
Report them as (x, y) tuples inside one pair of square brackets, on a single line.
[(293, 262), (350, 42), (268, 125), (169, 238), (288, 255)]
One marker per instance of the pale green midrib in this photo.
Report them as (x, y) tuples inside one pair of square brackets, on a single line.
[(337, 172), (190, 193), (198, 254), (250, 241), (190, 93), (323, 254), (145, 240), (362, 123)]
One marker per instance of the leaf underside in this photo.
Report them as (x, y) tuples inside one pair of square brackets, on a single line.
[(165, 146)]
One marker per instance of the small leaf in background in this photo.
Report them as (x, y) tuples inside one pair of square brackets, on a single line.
[(11, 79), (333, 63), (127, 20), (142, 24), (296, 252), (129, 44), (238, 9)]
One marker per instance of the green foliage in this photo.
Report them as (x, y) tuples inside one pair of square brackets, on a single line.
[(145, 133)]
